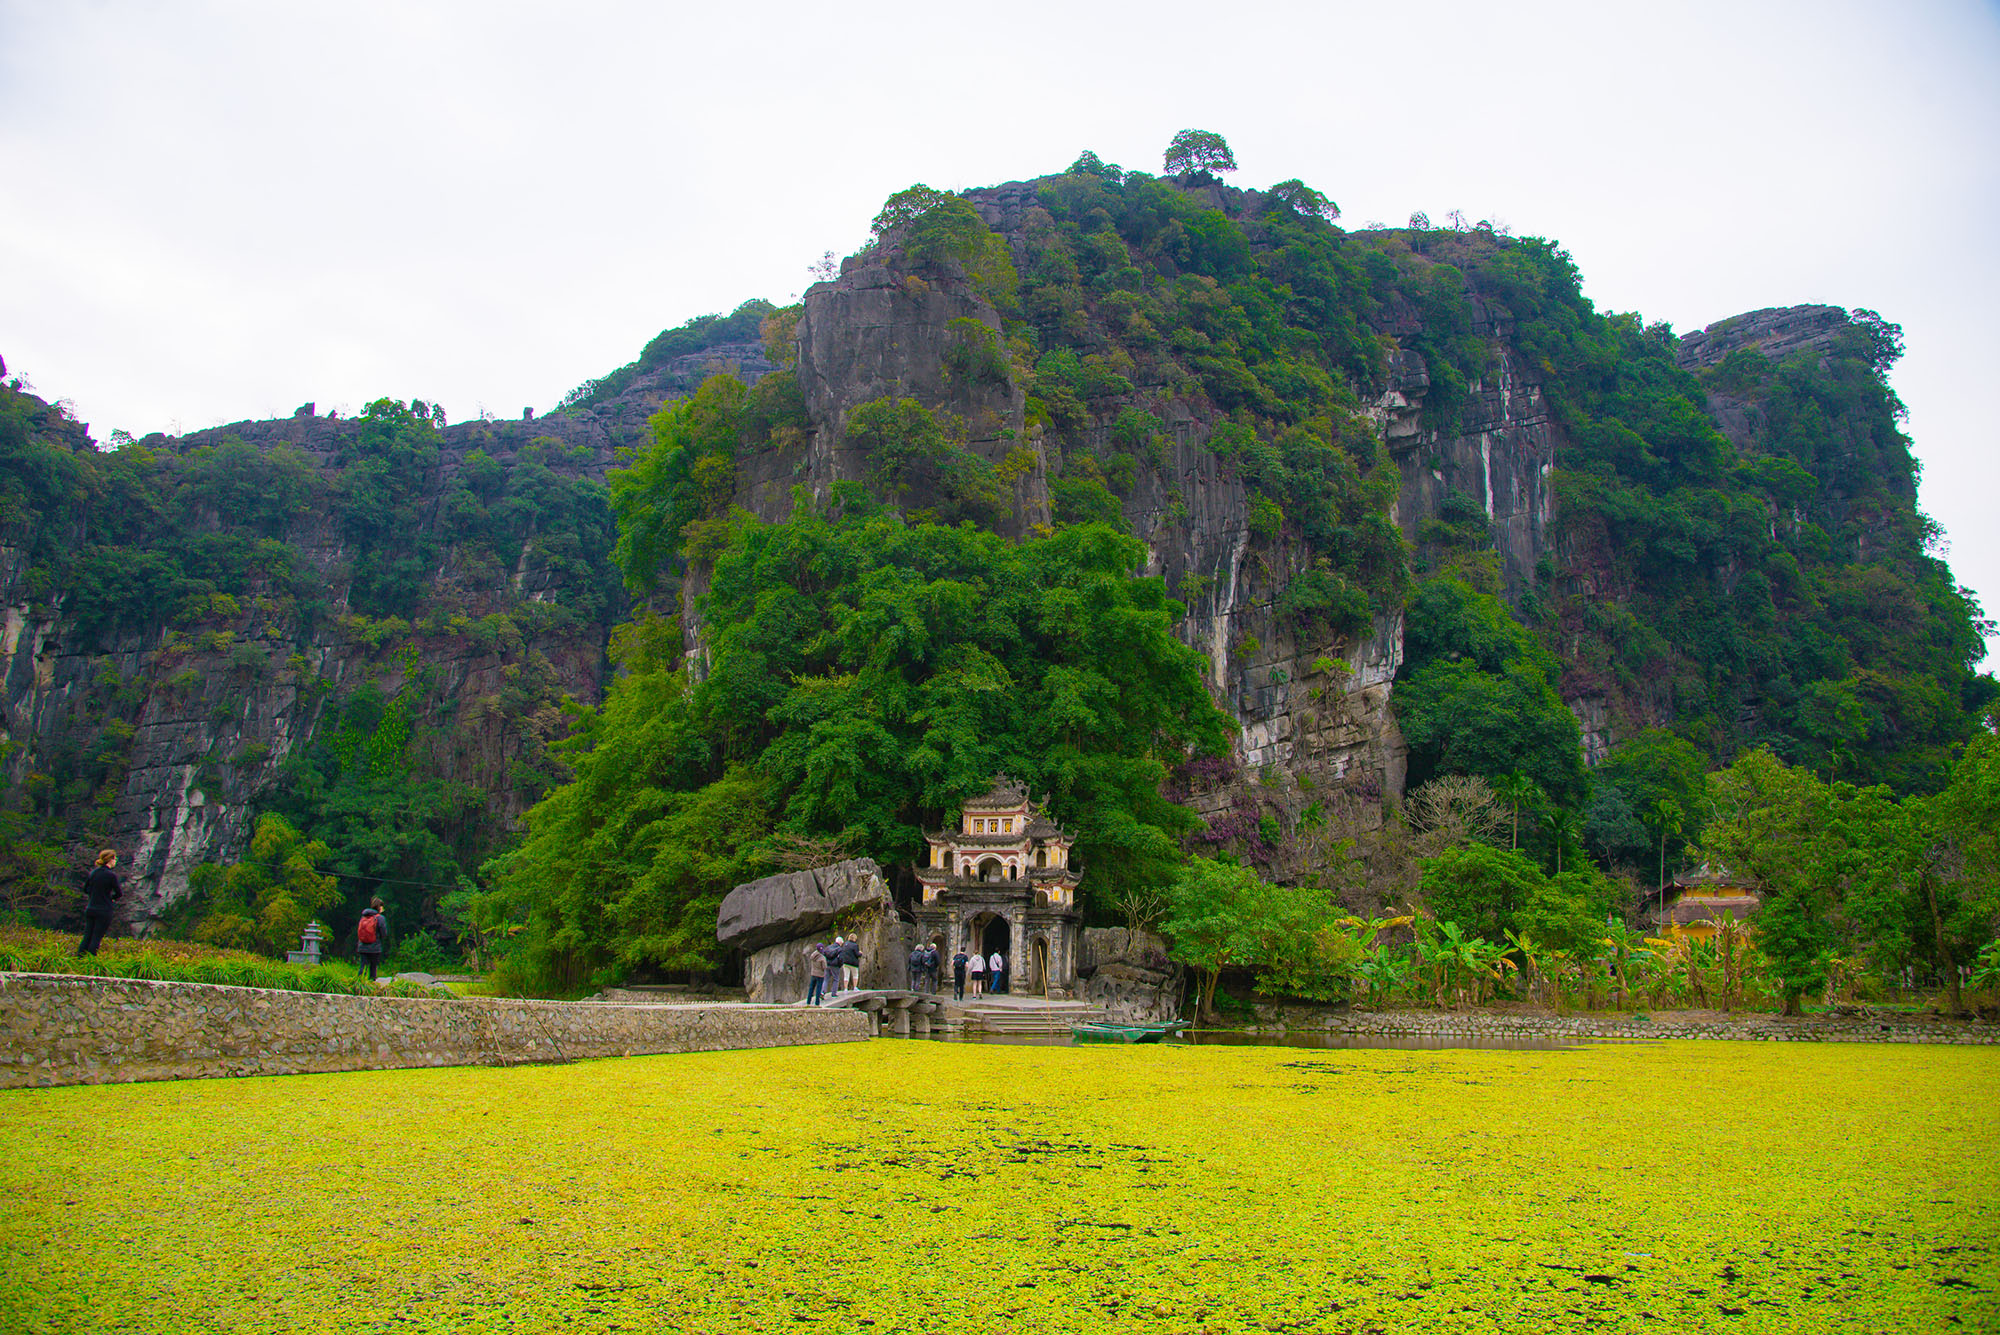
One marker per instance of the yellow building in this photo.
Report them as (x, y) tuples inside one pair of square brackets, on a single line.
[(1002, 882), (1691, 905)]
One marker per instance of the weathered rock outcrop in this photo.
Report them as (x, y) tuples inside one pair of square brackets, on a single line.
[(772, 920), (797, 904), (1128, 973)]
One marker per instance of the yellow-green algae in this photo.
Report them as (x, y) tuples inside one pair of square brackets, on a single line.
[(909, 1186)]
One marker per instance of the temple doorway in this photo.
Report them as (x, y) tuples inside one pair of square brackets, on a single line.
[(996, 935)]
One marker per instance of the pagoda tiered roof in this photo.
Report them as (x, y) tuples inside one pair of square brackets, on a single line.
[(1004, 795)]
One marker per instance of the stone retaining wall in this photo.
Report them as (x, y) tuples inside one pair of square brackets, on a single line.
[(1866, 1028), (63, 1030)]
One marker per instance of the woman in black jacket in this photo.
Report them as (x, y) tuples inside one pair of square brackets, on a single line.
[(103, 891)]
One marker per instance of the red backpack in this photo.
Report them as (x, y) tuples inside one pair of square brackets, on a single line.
[(367, 930)]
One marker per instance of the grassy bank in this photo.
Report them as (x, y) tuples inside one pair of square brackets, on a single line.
[(913, 1187), (27, 950)]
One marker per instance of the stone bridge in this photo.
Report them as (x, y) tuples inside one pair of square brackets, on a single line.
[(893, 1010)]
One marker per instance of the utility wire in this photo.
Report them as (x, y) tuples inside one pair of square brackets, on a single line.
[(337, 875)]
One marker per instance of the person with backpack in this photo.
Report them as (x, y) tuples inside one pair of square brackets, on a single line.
[(816, 972), (958, 976), (850, 964), (371, 936), (916, 968), (931, 966), (102, 893), (832, 955)]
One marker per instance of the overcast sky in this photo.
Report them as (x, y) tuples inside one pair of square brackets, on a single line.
[(216, 211)]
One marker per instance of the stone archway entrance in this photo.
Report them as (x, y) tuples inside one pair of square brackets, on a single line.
[(991, 933)]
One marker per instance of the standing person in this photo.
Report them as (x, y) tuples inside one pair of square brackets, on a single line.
[(850, 965), (103, 892), (997, 970), (370, 936), (931, 966), (832, 953), (958, 976), (916, 968), (816, 972), (975, 972)]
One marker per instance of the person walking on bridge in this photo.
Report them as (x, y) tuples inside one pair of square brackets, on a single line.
[(831, 954), (850, 965), (815, 974)]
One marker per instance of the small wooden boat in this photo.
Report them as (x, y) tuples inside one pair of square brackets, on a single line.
[(1124, 1033)]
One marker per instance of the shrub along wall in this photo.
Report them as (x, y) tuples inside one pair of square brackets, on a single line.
[(67, 1031)]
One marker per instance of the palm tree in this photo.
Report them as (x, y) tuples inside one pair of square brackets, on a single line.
[(1564, 829), (1667, 817), (1517, 790)]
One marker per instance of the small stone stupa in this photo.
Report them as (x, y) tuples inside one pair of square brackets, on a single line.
[(1002, 882)]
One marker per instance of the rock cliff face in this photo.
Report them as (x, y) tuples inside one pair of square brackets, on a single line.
[(875, 333), (189, 721), (192, 723), (882, 329)]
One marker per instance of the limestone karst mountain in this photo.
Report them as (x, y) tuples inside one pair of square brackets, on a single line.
[(1355, 458)]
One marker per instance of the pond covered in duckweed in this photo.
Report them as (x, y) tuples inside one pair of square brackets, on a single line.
[(933, 1187)]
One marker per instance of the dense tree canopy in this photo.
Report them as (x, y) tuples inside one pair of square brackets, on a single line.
[(864, 675)]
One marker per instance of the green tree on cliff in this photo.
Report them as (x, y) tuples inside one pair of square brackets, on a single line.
[(1193, 151)]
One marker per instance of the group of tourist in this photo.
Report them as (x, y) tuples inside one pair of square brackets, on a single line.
[(838, 960), (967, 969), (979, 974)]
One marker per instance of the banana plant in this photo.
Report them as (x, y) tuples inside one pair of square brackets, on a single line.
[(1986, 968), (1732, 941), (1386, 972), (1532, 953), (1623, 946)]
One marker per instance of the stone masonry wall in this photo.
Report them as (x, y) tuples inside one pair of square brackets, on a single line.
[(1866, 1027), (58, 1030)]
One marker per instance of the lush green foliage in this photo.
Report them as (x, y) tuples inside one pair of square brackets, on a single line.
[(1854, 879), (863, 675), (1782, 594), (178, 563), (1198, 151), (1477, 695), (1545, 1186), (265, 901), (23, 951), (742, 325)]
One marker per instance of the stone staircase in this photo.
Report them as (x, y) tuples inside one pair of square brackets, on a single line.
[(1020, 1015)]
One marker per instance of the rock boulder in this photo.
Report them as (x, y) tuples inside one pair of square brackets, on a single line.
[(797, 904)]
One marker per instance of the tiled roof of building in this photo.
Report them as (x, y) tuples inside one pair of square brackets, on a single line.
[(1004, 795), (1710, 907)]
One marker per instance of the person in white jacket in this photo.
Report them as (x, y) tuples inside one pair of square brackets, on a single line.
[(975, 973), (996, 969)]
